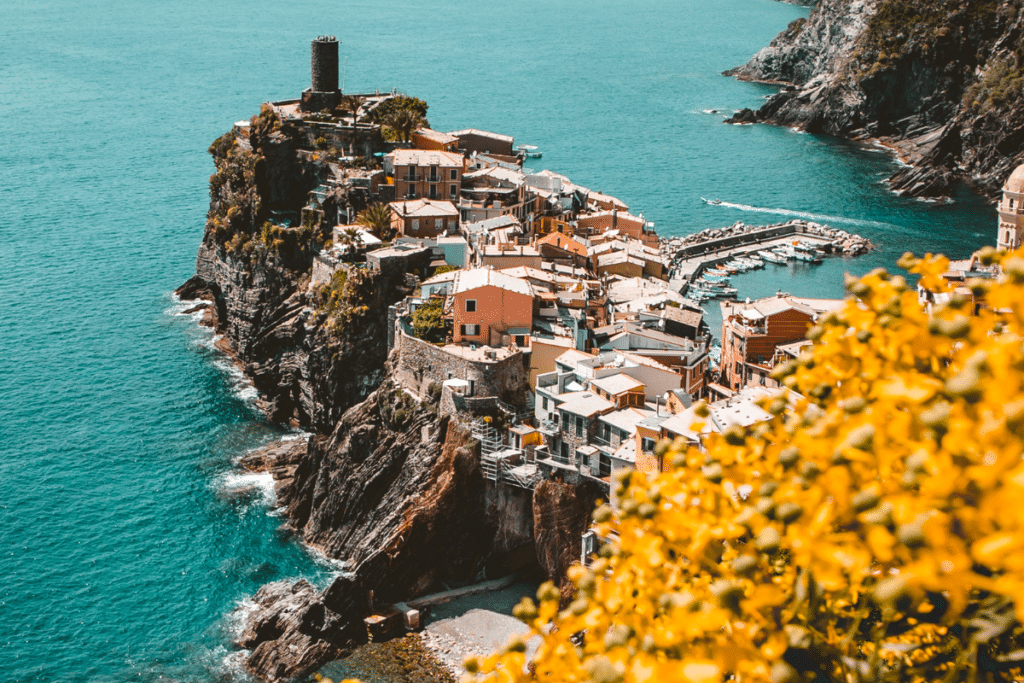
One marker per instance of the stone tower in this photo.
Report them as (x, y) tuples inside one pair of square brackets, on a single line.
[(323, 66), (1011, 211)]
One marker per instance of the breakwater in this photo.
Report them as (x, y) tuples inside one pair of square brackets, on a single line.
[(689, 256)]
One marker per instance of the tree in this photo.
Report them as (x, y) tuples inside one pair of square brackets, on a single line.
[(872, 530), (351, 240), (377, 219), (427, 321), (398, 103), (351, 105), (404, 122)]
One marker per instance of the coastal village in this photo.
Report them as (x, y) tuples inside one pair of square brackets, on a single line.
[(527, 279), (560, 339)]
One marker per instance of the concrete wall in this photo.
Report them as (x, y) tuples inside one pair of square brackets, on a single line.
[(420, 363)]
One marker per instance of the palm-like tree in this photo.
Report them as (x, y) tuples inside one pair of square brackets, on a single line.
[(351, 240), (350, 104), (377, 219), (404, 122)]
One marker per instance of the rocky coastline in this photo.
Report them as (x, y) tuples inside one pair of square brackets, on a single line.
[(937, 82)]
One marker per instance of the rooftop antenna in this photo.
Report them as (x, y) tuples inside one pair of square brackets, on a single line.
[(344, 74)]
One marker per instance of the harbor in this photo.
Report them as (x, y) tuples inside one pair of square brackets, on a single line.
[(701, 263)]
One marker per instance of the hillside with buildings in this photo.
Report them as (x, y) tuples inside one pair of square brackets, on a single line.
[(477, 349)]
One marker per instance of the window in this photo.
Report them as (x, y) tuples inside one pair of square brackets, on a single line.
[(433, 174), (453, 190), (439, 224), (470, 305), (469, 330), (586, 458), (415, 224), (544, 402), (579, 426), (433, 191), (647, 445), (520, 340), (455, 175)]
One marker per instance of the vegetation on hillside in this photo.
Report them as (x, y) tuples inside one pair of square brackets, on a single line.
[(1002, 83), (871, 531), (899, 27)]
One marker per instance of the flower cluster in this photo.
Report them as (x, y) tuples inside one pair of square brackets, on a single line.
[(872, 530)]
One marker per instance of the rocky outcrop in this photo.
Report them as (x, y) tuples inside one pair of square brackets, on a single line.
[(308, 365), (938, 81), (396, 492), (561, 513)]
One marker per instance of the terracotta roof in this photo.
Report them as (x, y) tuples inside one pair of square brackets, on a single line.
[(557, 239)]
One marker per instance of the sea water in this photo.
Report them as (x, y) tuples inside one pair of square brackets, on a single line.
[(128, 536)]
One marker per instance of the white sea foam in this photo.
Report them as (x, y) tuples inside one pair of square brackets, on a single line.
[(807, 215), (260, 481)]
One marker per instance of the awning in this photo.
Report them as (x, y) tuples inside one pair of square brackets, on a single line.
[(455, 383)]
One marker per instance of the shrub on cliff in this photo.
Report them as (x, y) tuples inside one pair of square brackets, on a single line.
[(871, 531)]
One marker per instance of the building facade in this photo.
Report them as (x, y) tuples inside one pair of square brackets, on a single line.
[(426, 174), (1011, 211)]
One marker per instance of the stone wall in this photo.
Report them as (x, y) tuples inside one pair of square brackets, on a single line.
[(751, 237), (420, 363)]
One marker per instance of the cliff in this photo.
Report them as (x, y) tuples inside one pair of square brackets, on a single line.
[(310, 352), (397, 493), (939, 81)]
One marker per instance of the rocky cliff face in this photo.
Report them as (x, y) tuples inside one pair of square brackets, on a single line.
[(397, 493), (938, 80), (310, 353)]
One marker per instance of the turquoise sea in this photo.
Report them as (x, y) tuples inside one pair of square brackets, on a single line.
[(127, 536)]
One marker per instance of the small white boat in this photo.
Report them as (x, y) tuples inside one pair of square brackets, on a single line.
[(713, 202), (772, 257), (804, 256), (529, 151)]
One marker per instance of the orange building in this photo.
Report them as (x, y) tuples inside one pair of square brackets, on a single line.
[(424, 218), (424, 138), (603, 221), (556, 246), (491, 308), (751, 333), (428, 174)]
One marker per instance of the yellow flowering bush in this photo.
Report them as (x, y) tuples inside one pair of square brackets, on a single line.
[(872, 530)]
